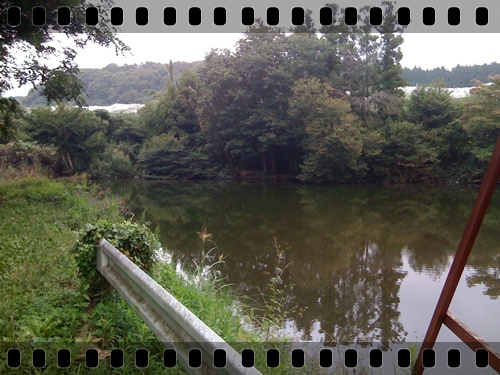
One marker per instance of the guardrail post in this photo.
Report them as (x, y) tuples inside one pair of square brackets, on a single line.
[(102, 261)]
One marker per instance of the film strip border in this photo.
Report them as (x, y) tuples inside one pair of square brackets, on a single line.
[(232, 17), (449, 358)]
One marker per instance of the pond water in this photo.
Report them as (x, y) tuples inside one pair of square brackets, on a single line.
[(355, 263)]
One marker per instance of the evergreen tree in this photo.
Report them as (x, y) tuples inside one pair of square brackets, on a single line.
[(437, 112), (431, 106)]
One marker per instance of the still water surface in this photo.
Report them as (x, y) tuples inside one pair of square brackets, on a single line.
[(356, 263)]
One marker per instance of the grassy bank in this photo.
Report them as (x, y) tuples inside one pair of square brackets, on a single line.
[(41, 298), (40, 295)]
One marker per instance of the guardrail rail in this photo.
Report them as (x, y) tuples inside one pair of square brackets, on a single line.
[(172, 323)]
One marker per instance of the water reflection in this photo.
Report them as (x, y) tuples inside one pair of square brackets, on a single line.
[(344, 247)]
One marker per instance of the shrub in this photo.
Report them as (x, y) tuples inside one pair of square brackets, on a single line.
[(23, 156), (135, 241), (174, 156), (165, 155), (112, 163)]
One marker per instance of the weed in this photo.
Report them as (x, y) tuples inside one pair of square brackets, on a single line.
[(134, 240), (276, 302)]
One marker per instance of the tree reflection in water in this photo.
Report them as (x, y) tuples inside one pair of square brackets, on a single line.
[(344, 244)]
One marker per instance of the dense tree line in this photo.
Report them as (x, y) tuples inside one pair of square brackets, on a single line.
[(325, 109), (126, 84), (459, 76)]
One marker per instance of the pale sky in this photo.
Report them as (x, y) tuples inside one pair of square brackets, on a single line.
[(424, 50)]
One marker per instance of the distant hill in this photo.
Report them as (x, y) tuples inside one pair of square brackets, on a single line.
[(459, 76), (130, 84), (127, 84)]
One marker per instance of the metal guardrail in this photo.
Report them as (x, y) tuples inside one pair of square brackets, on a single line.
[(172, 323)]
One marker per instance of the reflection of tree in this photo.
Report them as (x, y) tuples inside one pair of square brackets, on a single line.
[(346, 243), (179, 208), (487, 274), (361, 299), (490, 278), (485, 256)]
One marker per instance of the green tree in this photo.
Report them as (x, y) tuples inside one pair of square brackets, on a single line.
[(332, 141), (169, 156), (431, 106), (220, 106), (246, 102), (308, 56), (481, 117), (481, 121), (408, 152), (33, 41), (174, 109), (123, 127), (175, 128), (25, 48), (459, 76), (11, 115), (391, 79), (366, 64), (78, 134), (112, 162), (434, 108), (125, 135)]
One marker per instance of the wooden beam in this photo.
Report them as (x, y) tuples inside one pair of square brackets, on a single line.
[(472, 340)]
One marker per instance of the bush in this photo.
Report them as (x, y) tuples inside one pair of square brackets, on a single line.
[(166, 155), (135, 241), (172, 156), (23, 156), (112, 163)]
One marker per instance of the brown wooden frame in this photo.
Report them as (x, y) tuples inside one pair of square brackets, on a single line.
[(441, 313)]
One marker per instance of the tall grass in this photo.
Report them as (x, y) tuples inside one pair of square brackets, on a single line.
[(202, 288)]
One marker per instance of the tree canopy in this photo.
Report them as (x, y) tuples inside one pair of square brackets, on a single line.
[(25, 49)]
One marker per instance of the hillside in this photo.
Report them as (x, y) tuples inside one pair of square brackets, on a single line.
[(130, 84), (459, 76), (125, 84)]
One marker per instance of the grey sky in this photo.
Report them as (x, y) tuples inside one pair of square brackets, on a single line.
[(424, 50)]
